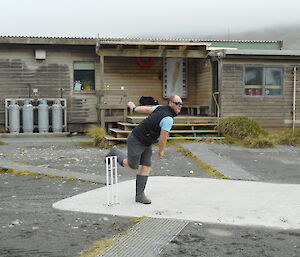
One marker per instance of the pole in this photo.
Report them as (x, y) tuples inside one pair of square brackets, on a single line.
[(294, 99)]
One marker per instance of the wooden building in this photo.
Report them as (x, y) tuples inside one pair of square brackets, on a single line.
[(213, 77), (263, 85)]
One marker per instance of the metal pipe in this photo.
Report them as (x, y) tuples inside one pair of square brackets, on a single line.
[(294, 98)]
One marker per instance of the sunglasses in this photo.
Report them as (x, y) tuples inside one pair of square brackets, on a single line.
[(179, 104)]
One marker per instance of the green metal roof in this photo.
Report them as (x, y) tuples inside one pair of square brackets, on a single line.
[(241, 44)]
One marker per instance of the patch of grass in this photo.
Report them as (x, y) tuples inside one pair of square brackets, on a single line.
[(19, 172), (87, 144), (97, 248), (98, 134), (2, 143), (207, 168), (138, 219), (2, 130), (287, 137), (240, 127), (246, 132)]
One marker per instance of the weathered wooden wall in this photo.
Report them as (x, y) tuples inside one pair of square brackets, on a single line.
[(147, 81), (140, 81), (204, 82), (20, 72), (270, 112)]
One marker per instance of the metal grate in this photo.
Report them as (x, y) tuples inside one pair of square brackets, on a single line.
[(147, 238)]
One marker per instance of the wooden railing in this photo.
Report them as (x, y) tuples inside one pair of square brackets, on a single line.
[(112, 105)]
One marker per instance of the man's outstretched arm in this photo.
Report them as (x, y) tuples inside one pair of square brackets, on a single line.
[(140, 109)]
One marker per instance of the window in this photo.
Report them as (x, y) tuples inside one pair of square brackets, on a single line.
[(84, 76), (263, 81)]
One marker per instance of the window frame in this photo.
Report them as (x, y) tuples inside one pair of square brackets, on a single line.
[(92, 91), (264, 68)]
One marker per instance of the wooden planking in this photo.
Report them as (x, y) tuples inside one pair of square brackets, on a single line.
[(20, 73), (18, 68), (268, 111), (186, 131), (175, 125), (204, 82), (177, 119), (141, 81), (114, 140)]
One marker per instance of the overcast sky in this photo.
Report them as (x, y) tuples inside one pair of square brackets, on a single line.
[(141, 18)]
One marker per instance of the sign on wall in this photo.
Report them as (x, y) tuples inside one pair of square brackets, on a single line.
[(175, 70)]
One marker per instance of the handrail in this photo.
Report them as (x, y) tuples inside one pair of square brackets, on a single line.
[(216, 103)]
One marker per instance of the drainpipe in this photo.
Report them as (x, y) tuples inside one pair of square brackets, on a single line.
[(218, 55), (294, 98)]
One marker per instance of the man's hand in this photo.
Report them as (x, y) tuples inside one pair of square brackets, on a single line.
[(161, 153), (162, 140), (131, 105)]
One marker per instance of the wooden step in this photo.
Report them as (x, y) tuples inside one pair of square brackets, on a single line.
[(128, 124), (113, 140), (177, 119), (121, 131)]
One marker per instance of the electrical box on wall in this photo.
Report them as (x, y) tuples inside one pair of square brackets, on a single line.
[(40, 54)]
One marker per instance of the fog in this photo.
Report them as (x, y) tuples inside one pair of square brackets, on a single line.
[(141, 18)]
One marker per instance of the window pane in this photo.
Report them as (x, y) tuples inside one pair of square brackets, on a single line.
[(274, 76), (274, 81), (253, 81), (84, 76), (253, 76), (84, 66)]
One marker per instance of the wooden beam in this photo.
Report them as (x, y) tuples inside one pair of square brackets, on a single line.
[(182, 48), (152, 43), (101, 58), (153, 53)]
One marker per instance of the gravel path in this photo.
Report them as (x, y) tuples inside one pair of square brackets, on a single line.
[(29, 226)]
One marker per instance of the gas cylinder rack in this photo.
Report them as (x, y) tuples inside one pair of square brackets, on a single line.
[(29, 115)]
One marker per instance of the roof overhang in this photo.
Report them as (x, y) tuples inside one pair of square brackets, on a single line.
[(267, 54), (47, 41), (151, 48)]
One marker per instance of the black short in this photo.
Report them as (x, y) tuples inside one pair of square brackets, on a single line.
[(138, 153)]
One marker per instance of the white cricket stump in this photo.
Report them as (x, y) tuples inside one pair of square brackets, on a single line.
[(112, 180)]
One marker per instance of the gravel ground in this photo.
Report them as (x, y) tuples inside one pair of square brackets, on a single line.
[(29, 225), (90, 160), (208, 240)]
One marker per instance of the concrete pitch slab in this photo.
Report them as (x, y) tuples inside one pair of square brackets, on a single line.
[(199, 199)]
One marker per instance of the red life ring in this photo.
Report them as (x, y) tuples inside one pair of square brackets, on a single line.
[(142, 63)]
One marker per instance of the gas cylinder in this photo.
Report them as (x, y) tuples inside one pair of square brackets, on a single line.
[(57, 116), (43, 116), (27, 117), (14, 117)]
